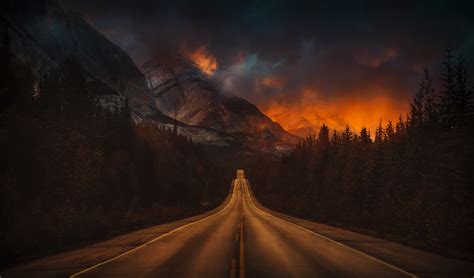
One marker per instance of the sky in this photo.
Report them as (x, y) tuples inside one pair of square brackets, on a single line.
[(301, 62)]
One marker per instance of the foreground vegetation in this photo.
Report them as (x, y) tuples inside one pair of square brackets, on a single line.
[(72, 172), (415, 180)]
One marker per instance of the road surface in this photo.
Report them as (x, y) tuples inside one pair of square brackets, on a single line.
[(242, 238)]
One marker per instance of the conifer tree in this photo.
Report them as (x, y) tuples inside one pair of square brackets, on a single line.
[(389, 132), (323, 136), (335, 138), (365, 136), (462, 93), (379, 133), (347, 136), (448, 99)]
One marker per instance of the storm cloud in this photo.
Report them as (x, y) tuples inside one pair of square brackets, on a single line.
[(288, 55)]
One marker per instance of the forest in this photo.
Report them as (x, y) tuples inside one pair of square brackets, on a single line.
[(73, 172), (411, 181)]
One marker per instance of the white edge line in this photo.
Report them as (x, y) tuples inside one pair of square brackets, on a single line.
[(153, 240), (332, 240)]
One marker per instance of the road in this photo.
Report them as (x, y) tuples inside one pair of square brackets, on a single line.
[(242, 240)]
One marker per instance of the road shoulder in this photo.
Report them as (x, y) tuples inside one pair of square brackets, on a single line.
[(412, 260), (70, 262)]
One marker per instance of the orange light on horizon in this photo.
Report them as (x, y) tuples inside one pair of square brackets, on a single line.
[(203, 59), (308, 115)]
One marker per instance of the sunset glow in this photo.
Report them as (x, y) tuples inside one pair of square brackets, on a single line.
[(273, 82), (177, 138), (203, 59), (306, 116)]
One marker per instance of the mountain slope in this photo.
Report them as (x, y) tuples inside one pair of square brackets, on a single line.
[(44, 35), (299, 126), (189, 96)]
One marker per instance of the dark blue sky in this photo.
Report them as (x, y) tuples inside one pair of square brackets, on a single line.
[(295, 52)]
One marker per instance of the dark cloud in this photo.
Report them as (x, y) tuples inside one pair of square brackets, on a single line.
[(270, 49)]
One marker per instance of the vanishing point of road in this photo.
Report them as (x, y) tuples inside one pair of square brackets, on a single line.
[(241, 238)]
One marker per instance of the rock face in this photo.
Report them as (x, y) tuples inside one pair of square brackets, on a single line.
[(45, 35), (189, 96), (174, 92), (198, 134)]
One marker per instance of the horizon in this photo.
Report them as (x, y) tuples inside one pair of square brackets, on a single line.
[(359, 65), (232, 139)]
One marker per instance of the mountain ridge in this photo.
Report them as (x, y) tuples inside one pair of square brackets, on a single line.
[(190, 96), (44, 35)]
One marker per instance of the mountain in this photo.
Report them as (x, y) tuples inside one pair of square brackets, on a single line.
[(44, 35), (187, 94), (299, 126)]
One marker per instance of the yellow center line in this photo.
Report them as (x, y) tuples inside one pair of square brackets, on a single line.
[(241, 255), (242, 261)]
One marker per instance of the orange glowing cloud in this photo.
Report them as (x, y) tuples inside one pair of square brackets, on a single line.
[(273, 82), (306, 116), (203, 59)]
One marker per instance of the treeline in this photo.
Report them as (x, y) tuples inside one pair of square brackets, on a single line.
[(413, 180), (73, 171)]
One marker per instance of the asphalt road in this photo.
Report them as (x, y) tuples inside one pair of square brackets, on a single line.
[(242, 240)]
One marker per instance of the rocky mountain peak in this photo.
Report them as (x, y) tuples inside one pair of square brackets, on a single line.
[(189, 96), (169, 90)]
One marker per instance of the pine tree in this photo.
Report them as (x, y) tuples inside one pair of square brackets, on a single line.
[(429, 105), (400, 128), (323, 136), (335, 138), (448, 97), (379, 133), (416, 105), (462, 93), (389, 132), (365, 136), (347, 136)]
